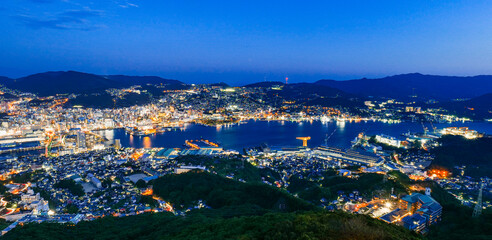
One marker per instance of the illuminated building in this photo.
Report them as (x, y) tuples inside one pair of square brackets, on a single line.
[(184, 169), (461, 131), (424, 205), (414, 222), (388, 140), (349, 156)]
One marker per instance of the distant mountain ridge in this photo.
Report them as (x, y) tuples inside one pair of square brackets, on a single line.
[(51, 83), (404, 86), (264, 84), (476, 108), (138, 80), (5, 79), (424, 86), (61, 82)]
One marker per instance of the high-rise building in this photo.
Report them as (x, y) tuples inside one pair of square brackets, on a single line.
[(80, 140), (117, 144)]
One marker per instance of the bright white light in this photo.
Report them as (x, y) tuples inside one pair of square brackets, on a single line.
[(388, 204)]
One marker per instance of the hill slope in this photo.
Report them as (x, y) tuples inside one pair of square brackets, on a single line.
[(264, 84), (312, 94), (51, 83), (5, 80), (424, 86), (185, 190), (140, 80), (476, 154), (475, 108), (238, 211), (270, 226)]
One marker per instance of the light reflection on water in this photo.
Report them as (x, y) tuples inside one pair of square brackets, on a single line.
[(275, 133), (147, 142)]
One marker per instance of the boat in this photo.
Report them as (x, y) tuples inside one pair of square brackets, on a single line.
[(141, 132)]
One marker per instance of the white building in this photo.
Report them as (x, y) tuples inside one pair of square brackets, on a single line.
[(388, 140)]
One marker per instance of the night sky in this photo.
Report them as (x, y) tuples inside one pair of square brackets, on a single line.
[(246, 41)]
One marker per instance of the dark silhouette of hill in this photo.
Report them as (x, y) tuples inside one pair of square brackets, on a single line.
[(61, 82), (218, 192), (220, 84), (476, 154), (104, 100), (484, 101), (264, 84), (51, 83), (309, 90), (475, 108), (423, 86), (443, 88), (141, 80), (312, 94), (309, 94), (5, 80)]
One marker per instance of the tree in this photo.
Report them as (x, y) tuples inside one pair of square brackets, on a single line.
[(71, 209), (141, 184), (69, 184)]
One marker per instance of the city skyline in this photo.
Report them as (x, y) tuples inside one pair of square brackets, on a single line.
[(133, 119), (246, 42)]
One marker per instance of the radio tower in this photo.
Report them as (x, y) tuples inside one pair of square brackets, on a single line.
[(478, 208), (286, 80)]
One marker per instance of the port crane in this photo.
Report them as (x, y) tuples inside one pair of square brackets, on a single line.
[(328, 137), (304, 140), (425, 128), (433, 127)]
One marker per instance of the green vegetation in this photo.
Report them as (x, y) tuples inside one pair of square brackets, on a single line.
[(148, 200), (71, 208), (22, 177), (131, 99), (237, 211), (4, 223), (309, 225), (69, 184), (25, 177), (185, 190), (3, 189), (234, 166), (309, 190), (105, 100), (141, 184), (457, 151), (368, 185), (97, 100), (253, 210)]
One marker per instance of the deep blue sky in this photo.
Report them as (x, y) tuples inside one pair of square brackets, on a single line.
[(246, 41)]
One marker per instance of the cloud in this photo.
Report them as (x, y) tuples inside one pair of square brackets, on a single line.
[(42, 1), (127, 4), (84, 13), (67, 20)]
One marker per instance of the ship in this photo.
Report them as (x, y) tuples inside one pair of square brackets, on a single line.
[(135, 131)]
